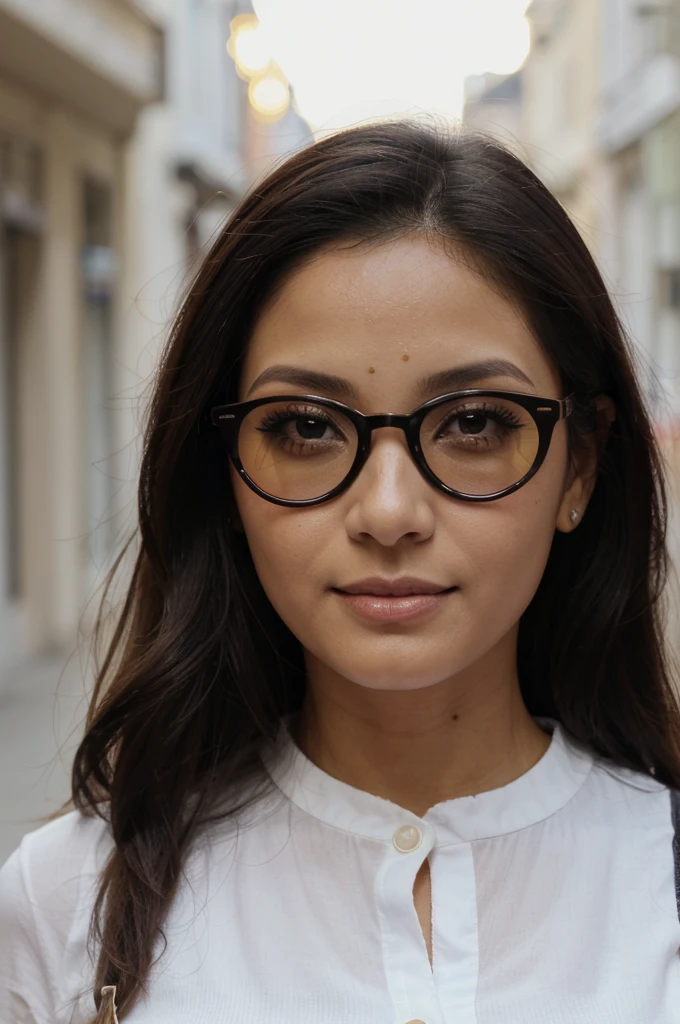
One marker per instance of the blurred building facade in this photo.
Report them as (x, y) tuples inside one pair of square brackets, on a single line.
[(73, 76), (638, 133), (561, 88), (126, 137)]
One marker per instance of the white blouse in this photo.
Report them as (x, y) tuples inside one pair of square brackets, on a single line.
[(553, 902)]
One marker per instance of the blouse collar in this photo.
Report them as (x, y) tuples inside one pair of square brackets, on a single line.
[(541, 791)]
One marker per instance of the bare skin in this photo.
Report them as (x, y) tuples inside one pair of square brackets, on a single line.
[(428, 710), (422, 898)]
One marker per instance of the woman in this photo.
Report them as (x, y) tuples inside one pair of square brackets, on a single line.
[(385, 732)]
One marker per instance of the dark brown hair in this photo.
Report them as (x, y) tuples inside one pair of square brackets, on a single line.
[(200, 668)]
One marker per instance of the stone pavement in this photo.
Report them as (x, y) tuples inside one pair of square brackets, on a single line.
[(42, 710)]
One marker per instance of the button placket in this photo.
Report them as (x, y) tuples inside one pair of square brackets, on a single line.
[(407, 967), (454, 918)]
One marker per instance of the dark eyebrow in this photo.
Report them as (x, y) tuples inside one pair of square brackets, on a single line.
[(471, 375), (455, 379), (313, 380)]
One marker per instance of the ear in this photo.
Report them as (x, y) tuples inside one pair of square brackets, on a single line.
[(582, 473)]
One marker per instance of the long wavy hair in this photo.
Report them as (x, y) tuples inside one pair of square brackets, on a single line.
[(199, 668)]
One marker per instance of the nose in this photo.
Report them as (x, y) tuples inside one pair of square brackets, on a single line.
[(390, 499)]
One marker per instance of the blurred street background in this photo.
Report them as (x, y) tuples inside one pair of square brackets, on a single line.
[(129, 129)]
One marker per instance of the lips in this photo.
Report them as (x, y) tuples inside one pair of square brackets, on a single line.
[(394, 602), (404, 586)]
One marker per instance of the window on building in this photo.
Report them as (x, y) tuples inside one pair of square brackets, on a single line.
[(10, 407), (669, 288), (21, 182)]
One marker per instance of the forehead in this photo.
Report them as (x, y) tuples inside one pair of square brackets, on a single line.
[(347, 309)]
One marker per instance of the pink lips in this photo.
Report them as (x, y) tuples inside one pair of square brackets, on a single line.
[(399, 600)]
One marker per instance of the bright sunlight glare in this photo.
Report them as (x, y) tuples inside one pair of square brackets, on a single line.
[(269, 95), (348, 60), (250, 52)]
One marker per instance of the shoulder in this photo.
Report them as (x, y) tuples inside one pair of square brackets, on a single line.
[(49, 873), (635, 804), (623, 800), (637, 795), (608, 793), (47, 891), (636, 818)]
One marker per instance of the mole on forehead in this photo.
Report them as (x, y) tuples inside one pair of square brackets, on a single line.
[(405, 357)]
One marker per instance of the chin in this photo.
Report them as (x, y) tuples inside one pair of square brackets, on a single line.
[(397, 685), (397, 677)]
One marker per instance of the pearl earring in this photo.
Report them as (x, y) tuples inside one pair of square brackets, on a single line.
[(573, 515)]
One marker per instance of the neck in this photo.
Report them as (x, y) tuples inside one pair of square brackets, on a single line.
[(417, 747)]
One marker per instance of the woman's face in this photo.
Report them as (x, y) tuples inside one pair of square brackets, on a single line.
[(358, 316)]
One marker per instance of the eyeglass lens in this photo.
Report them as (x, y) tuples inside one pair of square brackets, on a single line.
[(298, 451)]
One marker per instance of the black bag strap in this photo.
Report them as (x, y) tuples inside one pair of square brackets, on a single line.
[(675, 818)]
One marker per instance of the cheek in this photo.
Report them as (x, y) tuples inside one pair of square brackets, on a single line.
[(286, 545), (507, 543)]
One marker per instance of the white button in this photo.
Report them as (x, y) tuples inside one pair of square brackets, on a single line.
[(407, 838)]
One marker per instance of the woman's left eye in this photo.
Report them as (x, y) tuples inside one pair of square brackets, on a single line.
[(476, 421), (472, 422)]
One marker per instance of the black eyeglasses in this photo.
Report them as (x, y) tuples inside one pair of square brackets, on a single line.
[(475, 445)]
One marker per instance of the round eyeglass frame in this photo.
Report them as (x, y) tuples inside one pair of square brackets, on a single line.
[(545, 412)]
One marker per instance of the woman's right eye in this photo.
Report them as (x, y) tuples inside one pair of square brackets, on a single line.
[(301, 426), (311, 427)]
